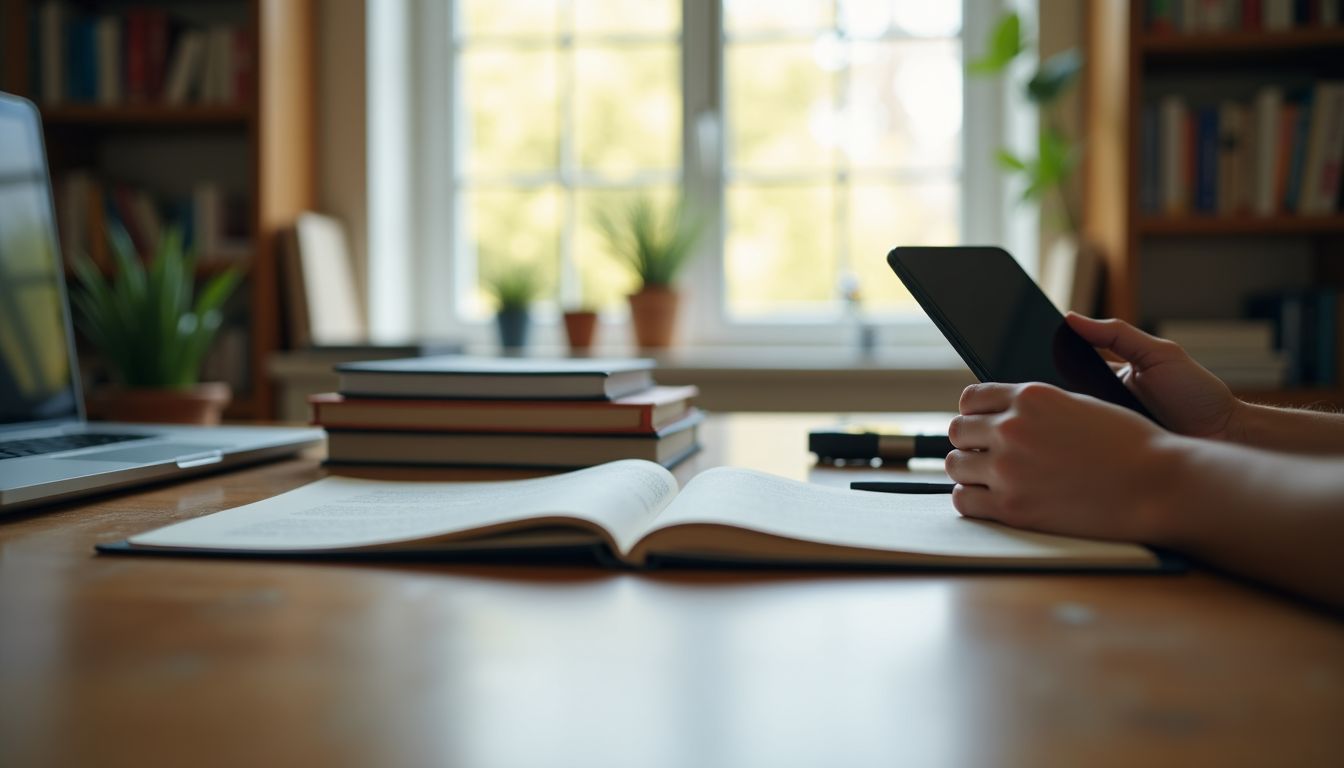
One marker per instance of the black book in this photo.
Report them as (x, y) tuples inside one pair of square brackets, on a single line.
[(505, 378)]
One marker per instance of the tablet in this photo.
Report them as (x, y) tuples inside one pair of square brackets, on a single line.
[(1002, 324)]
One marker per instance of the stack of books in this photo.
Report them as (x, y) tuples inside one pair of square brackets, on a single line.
[(1240, 352), (457, 411)]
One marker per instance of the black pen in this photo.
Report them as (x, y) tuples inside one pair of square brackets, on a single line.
[(902, 487)]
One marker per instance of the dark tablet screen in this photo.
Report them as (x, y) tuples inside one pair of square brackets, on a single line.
[(1001, 323)]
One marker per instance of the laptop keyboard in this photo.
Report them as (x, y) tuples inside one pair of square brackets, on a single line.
[(13, 449)]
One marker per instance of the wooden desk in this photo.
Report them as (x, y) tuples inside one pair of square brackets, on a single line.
[(156, 661)]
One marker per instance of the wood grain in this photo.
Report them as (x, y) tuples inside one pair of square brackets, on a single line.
[(175, 661)]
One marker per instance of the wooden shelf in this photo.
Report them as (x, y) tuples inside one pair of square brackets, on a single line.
[(1306, 41), (1242, 225), (145, 115)]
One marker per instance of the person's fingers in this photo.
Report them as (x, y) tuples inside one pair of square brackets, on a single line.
[(986, 398), (1120, 337), (974, 501), (970, 432), (968, 467)]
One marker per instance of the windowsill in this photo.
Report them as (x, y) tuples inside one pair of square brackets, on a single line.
[(731, 378)]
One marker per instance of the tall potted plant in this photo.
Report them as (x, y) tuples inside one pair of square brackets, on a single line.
[(656, 245), (514, 287), (1070, 271), (153, 331)]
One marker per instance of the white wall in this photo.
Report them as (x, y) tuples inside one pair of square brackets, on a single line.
[(342, 177)]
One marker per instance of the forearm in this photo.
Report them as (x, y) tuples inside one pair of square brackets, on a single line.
[(1274, 518), (1288, 429)]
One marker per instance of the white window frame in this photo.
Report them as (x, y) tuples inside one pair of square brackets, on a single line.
[(414, 216)]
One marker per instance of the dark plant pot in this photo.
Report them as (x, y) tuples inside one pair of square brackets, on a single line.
[(654, 313), (201, 404), (513, 325), (580, 327)]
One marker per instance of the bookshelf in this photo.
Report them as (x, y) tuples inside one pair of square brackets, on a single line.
[(1219, 258), (258, 143)]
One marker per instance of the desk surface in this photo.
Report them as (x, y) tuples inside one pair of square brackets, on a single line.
[(117, 660)]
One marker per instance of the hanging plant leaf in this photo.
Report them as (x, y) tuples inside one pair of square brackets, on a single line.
[(1055, 76), (1005, 42)]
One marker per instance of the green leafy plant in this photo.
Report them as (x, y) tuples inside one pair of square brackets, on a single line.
[(144, 320), (514, 286), (1056, 155), (656, 245)]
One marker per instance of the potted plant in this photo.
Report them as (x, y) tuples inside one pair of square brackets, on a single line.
[(656, 246), (1070, 272), (580, 327), (153, 331), (514, 288)]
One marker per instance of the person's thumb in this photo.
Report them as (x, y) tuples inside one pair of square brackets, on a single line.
[(1121, 338)]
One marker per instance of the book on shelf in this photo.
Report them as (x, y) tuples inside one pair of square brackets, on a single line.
[(322, 306), (643, 412), (630, 513), (1213, 16), (1281, 152), (1240, 352), (139, 55), (1307, 331), (213, 223), (667, 446), (496, 378)]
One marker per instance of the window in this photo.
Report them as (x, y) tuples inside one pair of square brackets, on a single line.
[(817, 133)]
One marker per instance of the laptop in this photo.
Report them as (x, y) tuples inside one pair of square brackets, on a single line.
[(48, 452)]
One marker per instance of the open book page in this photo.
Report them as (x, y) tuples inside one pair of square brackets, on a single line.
[(925, 526), (334, 513)]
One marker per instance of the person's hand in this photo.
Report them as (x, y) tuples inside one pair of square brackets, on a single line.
[(1181, 393), (1034, 456)]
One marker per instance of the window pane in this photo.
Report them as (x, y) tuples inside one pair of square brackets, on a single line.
[(512, 102), (780, 108), (511, 230), (781, 252), (903, 106), (921, 18), (883, 216), (760, 15), (509, 17), (628, 108), (627, 17)]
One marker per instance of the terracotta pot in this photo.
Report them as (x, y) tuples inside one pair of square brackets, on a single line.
[(201, 404), (580, 327), (654, 312)]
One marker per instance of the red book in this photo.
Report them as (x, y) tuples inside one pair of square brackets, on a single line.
[(137, 57), (244, 67), (156, 50), (1251, 14), (1287, 134), (642, 413)]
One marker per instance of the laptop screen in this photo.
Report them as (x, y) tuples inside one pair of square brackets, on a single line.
[(36, 365)]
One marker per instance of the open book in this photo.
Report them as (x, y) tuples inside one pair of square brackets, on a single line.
[(632, 511)]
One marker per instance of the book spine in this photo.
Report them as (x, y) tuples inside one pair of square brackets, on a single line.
[(108, 69), (1175, 196), (137, 57), (1293, 184), (1229, 138), (1160, 19), (1268, 117), (1150, 181), (1206, 178), (1327, 340), (52, 44), (1325, 194), (156, 51)]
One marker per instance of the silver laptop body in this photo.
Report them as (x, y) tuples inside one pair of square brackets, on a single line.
[(48, 452)]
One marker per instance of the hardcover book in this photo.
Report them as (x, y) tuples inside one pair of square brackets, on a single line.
[(491, 378)]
